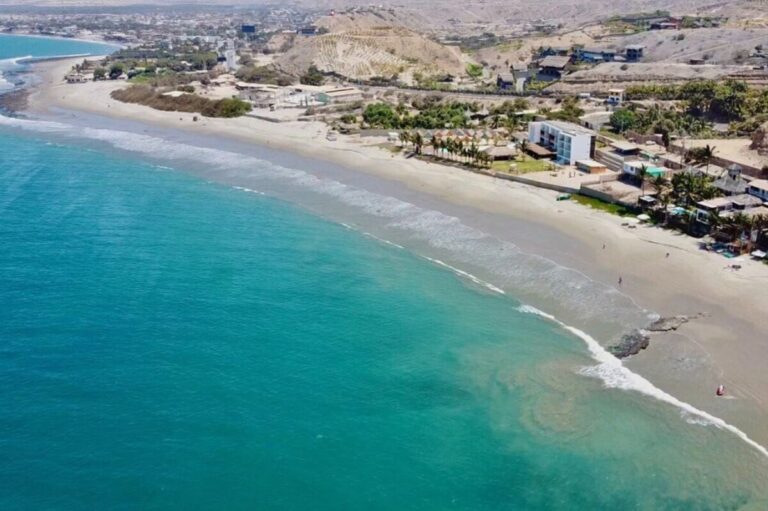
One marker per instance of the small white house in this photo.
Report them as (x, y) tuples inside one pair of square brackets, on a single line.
[(615, 96)]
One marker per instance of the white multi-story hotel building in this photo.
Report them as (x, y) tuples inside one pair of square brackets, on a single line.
[(570, 142)]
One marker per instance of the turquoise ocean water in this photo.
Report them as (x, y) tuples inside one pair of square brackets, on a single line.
[(173, 341), (15, 50)]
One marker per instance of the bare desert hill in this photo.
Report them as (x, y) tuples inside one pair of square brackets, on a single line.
[(364, 46)]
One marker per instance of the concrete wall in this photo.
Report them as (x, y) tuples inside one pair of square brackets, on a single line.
[(723, 162)]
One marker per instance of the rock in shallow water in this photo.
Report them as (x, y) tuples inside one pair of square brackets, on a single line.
[(631, 344)]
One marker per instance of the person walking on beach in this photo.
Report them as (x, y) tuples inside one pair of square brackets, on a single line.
[(620, 280)]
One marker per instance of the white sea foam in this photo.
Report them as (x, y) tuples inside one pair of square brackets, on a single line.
[(382, 240), (40, 58), (525, 272), (467, 275), (248, 190), (615, 375), (7, 65)]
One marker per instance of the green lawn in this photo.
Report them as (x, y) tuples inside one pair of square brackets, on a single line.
[(614, 209), (522, 166), (142, 78)]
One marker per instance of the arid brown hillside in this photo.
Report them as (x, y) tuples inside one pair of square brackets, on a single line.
[(364, 46)]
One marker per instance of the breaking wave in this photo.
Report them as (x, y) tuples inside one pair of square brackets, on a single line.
[(614, 374)]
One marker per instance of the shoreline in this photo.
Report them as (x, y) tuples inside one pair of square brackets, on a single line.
[(59, 38), (689, 282)]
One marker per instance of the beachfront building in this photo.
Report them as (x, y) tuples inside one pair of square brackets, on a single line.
[(595, 120), (635, 169), (339, 95), (595, 55), (76, 78), (615, 96), (570, 142), (759, 189), (553, 68), (732, 182), (505, 81), (723, 206), (591, 167), (634, 52)]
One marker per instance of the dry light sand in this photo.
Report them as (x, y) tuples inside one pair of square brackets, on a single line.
[(730, 343)]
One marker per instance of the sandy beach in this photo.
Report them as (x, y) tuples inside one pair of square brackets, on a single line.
[(729, 344)]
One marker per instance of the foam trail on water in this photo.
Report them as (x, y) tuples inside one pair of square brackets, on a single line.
[(466, 275), (382, 240), (615, 375), (8, 65), (30, 59), (248, 190)]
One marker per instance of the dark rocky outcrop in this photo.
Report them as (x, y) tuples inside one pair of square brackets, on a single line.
[(631, 344), (668, 324), (637, 340)]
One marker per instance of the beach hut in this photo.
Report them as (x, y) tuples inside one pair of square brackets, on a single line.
[(499, 153)]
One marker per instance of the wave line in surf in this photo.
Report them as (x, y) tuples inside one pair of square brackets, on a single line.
[(615, 374)]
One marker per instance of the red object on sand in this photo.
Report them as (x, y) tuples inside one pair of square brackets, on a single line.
[(720, 390)]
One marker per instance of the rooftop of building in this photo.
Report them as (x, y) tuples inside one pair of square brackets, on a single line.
[(625, 147), (760, 184), (569, 127), (555, 61), (746, 201), (717, 202)]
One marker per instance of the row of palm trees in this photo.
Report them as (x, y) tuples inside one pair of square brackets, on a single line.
[(447, 148)]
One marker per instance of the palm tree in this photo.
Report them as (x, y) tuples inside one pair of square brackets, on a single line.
[(642, 174), (744, 225), (441, 147), (418, 142), (473, 151), (715, 222), (759, 226), (482, 158), (459, 148), (450, 147), (404, 138), (434, 142), (707, 154), (662, 194), (523, 148)]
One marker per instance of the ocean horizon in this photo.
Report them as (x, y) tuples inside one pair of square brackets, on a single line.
[(186, 326)]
